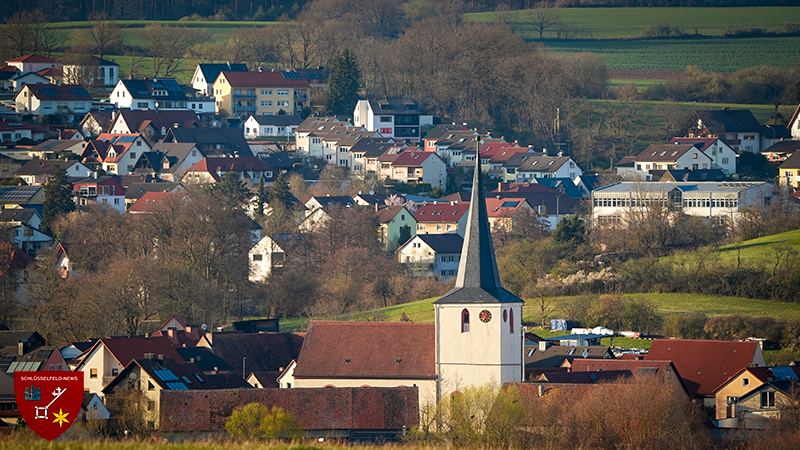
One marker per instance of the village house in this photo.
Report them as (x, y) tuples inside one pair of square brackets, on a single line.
[(260, 93), (98, 72), (543, 166), (550, 205), (372, 146), (122, 153), (95, 122), (723, 202), (338, 142), (705, 365), (33, 63), (21, 196), (169, 160), (158, 94), (396, 225), (104, 361), (265, 257), (212, 169), (507, 213), (271, 126), (308, 135), (23, 226), (419, 167), (212, 142), (15, 131), (428, 255), (22, 79), (106, 190), (722, 156), (43, 99), (437, 218), (152, 125), (400, 119), (317, 210), (739, 129), (6, 74), (789, 171), (672, 156), (37, 171), (206, 73)]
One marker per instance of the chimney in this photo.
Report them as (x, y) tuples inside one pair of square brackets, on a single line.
[(160, 357), (543, 345), (21, 347), (541, 390), (149, 355), (452, 203)]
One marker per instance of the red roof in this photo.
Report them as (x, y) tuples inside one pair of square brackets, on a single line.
[(503, 207), (213, 165), (441, 212), (49, 72), (522, 188), (704, 365), (32, 58), (505, 153), (367, 350), (411, 158), (12, 126), (150, 201), (263, 79), (492, 148), (127, 348), (688, 140)]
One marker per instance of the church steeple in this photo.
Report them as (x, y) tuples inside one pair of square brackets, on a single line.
[(478, 280)]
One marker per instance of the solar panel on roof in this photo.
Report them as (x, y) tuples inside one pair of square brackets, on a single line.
[(50, 92), (80, 92), (291, 76), (177, 386), (165, 375)]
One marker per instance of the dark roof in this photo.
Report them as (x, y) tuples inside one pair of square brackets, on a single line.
[(394, 106), (264, 351), (774, 132), (11, 338), (44, 166), (664, 152), (204, 358), (138, 119), (443, 243), (367, 350), (554, 202), (103, 118), (555, 356), (144, 89), (557, 184), (57, 145), (18, 194), (127, 348), (334, 200), (584, 377), (792, 162), (703, 365), (478, 280), (137, 190), (23, 215), (279, 120), (59, 92), (783, 147), (278, 160), (212, 141), (688, 175), (211, 71), (732, 120), (268, 380)]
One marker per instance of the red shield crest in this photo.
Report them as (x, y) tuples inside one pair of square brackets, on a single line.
[(49, 401)]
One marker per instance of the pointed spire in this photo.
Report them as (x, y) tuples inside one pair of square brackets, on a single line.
[(478, 267), (478, 280)]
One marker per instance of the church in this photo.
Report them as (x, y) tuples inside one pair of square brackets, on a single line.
[(477, 337)]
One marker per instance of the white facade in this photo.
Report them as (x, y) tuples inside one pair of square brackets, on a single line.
[(722, 157), (425, 261), (693, 159), (252, 129), (101, 75), (495, 345), (28, 103), (549, 167), (611, 205), (99, 367), (265, 256)]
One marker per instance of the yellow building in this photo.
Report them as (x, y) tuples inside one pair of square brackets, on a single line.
[(241, 94)]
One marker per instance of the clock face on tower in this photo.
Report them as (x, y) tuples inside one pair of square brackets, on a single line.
[(485, 316)]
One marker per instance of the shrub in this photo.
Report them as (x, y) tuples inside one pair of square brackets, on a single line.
[(255, 421)]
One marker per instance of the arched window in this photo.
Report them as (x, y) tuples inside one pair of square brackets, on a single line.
[(511, 320), (465, 321)]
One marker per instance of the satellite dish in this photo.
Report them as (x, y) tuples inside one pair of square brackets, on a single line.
[(204, 327), (132, 375)]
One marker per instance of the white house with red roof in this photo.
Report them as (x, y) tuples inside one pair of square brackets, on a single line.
[(261, 93), (14, 131), (419, 167), (212, 169), (100, 190), (507, 212), (672, 156), (721, 154), (33, 63), (436, 218), (152, 201), (44, 99), (110, 355)]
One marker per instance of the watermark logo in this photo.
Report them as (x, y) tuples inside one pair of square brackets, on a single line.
[(49, 401)]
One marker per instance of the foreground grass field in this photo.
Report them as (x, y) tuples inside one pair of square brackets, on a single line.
[(36, 443)]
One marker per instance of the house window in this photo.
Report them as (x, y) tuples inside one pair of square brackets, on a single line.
[(511, 321), (141, 105), (386, 119), (266, 92), (92, 373), (283, 92), (444, 259), (114, 372), (464, 321), (724, 160), (282, 103), (438, 227), (386, 131), (732, 399), (104, 190), (266, 103), (47, 105), (258, 257), (745, 382), (768, 399), (138, 143), (444, 273), (150, 386)]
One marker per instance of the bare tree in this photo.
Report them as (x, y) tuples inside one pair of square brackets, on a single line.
[(542, 18), (167, 46), (105, 34), (30, 32)]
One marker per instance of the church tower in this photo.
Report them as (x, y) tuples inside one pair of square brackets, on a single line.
[(478, 323)]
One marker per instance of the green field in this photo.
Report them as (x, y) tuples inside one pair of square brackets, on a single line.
[(754, 253), (723, 55), (622, 23)]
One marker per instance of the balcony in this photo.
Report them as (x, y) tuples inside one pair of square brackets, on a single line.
[(242, 108), (244, 96)]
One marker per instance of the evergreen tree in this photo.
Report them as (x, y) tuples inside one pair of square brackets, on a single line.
[(280, 192), (57, 198), (343, 83), (260, 197), (230, 188)]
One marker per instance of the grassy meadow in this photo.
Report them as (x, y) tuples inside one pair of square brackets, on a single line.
[(627, 23)]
